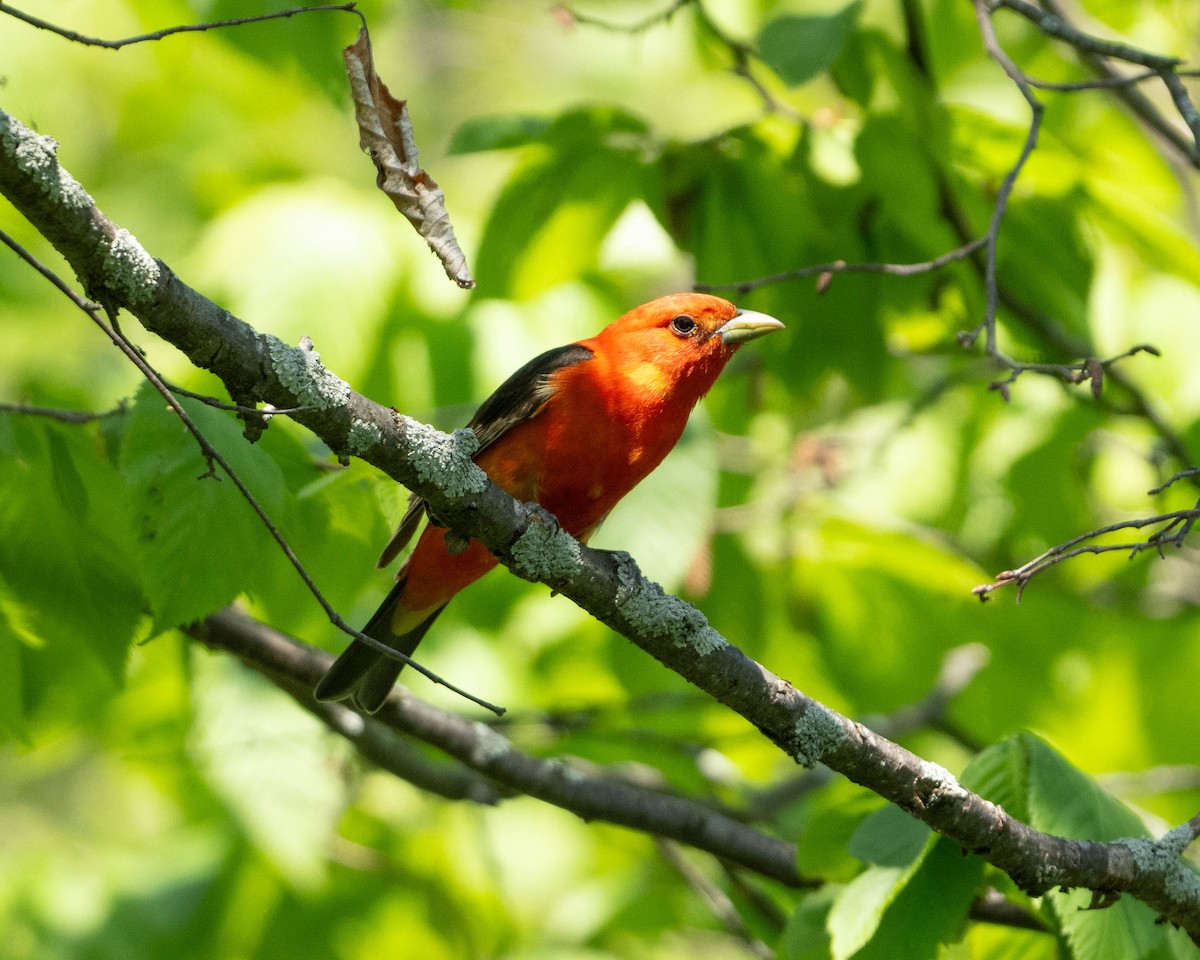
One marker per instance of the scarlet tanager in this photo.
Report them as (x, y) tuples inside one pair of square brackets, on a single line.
[(573, 430)]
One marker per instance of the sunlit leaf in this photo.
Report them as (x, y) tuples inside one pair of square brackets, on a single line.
[(550, 221)]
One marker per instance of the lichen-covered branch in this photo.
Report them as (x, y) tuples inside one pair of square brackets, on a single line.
[(258, 368)]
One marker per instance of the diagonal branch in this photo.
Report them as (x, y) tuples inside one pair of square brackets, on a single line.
[(118, 272)]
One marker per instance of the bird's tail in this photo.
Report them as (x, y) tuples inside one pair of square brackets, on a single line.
[(364, 674)]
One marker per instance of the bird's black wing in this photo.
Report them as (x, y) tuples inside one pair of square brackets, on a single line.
[(517, 399)]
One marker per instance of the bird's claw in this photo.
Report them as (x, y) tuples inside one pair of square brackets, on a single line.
[(540, 515), (629, 574)]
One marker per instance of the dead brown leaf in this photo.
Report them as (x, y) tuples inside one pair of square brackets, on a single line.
[(385, 133)]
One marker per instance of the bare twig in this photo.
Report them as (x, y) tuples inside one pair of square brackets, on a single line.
[(1097, 54), (1091, 369), (62, 416), (1113, 82), (167, 31), (1173, 479), (266, 413), (992, 45), (742, 53), (841, 266), (1183, 102), (1174, 529), (1053, 24), (572, 16), (213, 455)]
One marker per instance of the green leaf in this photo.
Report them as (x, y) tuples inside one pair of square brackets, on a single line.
[(68, 484), (800, 47), (885, 606), (825, 823), (904, 912), (549, 223), (859, 908), (1035, 783), (497, 133), (1066, 802), (66, 553), (889, 837), (806, 936), (930, 908), (1000, 774), (200, 541), (736, 205)]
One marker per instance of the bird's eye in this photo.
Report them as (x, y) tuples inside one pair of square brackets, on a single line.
[(683, 325)]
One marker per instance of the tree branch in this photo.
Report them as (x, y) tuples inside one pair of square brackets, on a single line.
[(259, 368), (498, 769)]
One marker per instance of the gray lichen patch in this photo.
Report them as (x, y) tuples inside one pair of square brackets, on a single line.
[(362, 437), (305, 377), (130, 273), (653, 612), (37, 155), (445, 459), (545, 551), (1161, 858), (816, 734)]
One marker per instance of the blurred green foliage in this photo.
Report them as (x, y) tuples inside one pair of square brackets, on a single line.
[(830, 507)]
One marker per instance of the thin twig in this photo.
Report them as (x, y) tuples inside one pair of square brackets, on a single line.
[(266, 412), (167, 31), (1173, 479), (1175, 527), (62, 416), (1051, 23), (742, 53), (1090, 369), (213, 455), (1143, 108), (996, 52), (841, 266), (1103, 83), (573, 16), (1183, 102)]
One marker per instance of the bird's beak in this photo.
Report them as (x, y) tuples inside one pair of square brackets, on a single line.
[(747, 325)]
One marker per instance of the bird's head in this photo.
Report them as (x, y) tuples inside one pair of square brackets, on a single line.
[(682, 339)]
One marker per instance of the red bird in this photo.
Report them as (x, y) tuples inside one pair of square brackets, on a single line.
[(573, 430)]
